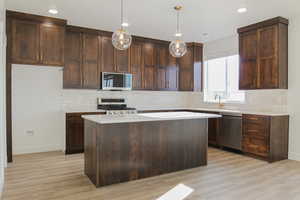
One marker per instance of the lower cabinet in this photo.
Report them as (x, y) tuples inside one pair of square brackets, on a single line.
[(75, 132), (266, 137)]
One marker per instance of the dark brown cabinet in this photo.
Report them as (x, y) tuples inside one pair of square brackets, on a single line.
[(136, 65), (25, 42), (52, 40), (186, 70), (264, 55), (72, 76), (36, 40), (149, 66), (122, 61), (190, 68), (82, 59), (162, 67), (108, 55), (75, 132), (91, 61), (266, 137)]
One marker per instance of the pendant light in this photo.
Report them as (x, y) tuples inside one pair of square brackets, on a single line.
[(177, 47), (121, 39)]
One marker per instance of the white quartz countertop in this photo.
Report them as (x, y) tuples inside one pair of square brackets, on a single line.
[(220, 110), (249, 112), (147, 117)]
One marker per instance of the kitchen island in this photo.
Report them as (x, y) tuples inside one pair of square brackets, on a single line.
[(130, 147)]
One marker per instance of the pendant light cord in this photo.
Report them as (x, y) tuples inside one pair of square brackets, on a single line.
[(177, 21), (122, 14)]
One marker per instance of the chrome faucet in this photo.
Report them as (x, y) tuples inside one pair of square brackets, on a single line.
[(219, 97)]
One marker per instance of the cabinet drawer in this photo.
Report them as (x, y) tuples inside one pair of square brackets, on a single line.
[(256, 119), (256, 145), (254, 125)]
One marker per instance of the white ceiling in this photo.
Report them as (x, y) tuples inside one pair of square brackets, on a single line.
[(157, 19)]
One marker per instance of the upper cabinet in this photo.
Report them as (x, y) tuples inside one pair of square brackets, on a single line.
[(25, 42), (72, 76), (108, 55), (82, 58), (264, 55), (149, 55), (52, 40), (86, 53), (190, 68), (35, 39), (136, 65)]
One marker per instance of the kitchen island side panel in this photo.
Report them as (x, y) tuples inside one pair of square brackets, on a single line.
[(131, 151)]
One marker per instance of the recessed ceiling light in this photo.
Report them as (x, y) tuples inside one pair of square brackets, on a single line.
[(242, 10), (53, 11), (205, 34), (125, 24)]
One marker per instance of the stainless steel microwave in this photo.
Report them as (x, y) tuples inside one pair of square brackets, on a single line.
[(116, 81)]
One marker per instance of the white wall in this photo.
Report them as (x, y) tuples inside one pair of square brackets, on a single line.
[(39, 104), (36, 108), (2, 96), (294, 87)]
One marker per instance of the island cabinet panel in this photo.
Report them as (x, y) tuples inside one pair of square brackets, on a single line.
[(264, 55), (108, 55), (266, 137), (52, 44), (91, 61), (149, 62), (136, 65), (72, 74), (123, 152), (25, 42)]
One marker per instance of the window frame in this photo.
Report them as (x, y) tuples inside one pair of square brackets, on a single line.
[(207, 98)]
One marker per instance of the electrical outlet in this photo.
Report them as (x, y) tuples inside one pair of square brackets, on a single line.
[(30, 132)]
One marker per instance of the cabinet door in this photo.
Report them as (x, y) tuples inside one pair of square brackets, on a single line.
[(107, 58), (267, 58), (186, 71), (72, 76), (172, 74), (248, 60), (25, 42), (122, 61), (136, 60), (90, 67), (149, 66), (52, 44), (74, 135), (162, 67)]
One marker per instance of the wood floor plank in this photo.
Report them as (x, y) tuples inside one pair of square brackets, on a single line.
[(228, 176)]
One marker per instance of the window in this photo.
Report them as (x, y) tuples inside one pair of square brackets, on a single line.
[(222, 80)]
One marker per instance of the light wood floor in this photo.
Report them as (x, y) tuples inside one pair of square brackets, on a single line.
[(228, 176)]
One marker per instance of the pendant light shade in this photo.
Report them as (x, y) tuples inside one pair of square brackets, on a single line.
[(121, 39), (178, 47)]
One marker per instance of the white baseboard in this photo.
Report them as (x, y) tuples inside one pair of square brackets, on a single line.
[(36, 149), (294, 156)]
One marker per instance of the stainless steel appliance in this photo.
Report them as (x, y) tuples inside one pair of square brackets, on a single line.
[(115, 106), (231, 131), (116, 81)]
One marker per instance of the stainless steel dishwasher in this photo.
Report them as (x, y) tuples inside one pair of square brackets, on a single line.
[(230, 134)]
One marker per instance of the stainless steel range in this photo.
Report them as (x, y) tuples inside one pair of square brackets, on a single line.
[(115, 106)]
